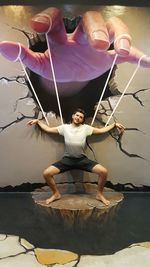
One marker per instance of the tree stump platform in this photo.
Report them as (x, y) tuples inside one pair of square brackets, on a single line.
[(78, 207)]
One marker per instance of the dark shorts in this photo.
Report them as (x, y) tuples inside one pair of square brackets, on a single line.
[(69, 163)]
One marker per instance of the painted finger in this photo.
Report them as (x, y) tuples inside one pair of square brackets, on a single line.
[(10, 50), (119, 34), (135, 56), (17, 52), (138, 57), (94, 27), (50, 22)]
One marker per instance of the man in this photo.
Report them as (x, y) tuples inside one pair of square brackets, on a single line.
[(75, 135)]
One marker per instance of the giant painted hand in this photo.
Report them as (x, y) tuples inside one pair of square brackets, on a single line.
[(80, 56)]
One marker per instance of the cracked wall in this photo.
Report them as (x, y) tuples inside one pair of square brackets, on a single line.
[(24, 153)]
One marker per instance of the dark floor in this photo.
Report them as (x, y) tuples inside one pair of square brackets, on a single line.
[(129, 224)]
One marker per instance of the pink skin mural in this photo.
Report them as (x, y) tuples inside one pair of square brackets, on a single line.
[(77, 57)]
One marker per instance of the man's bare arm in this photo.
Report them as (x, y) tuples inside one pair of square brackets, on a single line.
[(108, 128), (43, 126)]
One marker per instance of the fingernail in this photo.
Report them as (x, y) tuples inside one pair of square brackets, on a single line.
[(124, 45), (100, 35), (101, 40), (41, 19)]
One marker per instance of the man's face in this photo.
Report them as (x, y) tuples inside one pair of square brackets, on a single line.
[(78, 118)]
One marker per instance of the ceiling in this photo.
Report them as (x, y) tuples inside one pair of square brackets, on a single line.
[(84, 2)]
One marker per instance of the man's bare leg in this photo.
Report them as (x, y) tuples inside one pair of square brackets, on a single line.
[(48, 175), (56, 194), (102, 176)]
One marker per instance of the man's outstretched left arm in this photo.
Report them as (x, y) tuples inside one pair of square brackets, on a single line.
[(108, 128)]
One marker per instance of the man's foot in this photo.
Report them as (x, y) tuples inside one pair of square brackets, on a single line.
[(48, 201), (101, 198), (53, 198)]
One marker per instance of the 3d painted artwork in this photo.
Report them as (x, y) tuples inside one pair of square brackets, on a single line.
[(53, 61)]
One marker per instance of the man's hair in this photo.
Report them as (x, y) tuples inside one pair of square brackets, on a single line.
[(81, 111)]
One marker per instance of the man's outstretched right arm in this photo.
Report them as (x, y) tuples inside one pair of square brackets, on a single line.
[(43, 126)]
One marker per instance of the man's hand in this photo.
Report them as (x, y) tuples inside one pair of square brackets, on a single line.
[(43, 126), (80, 56), (120, 127), (32, 122)]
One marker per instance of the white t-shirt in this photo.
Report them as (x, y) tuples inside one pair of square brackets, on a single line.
[(75, 138)]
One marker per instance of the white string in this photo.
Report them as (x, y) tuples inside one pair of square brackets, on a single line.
[(130, 80), (18, 58), (19, 53), (53, 73), (34, 92), (99, 102)]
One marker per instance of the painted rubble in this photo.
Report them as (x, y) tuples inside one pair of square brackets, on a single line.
[(15, 250)]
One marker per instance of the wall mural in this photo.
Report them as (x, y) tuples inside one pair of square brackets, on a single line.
[(19, 147), (83, 67)]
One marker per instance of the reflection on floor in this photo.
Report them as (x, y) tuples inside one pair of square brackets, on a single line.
[(29, 236)]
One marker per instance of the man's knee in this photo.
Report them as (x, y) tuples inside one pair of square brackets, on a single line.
[(46, 173), (49, 172), (100, 170), (104, 171)]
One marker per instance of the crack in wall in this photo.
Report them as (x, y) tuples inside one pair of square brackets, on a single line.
[(134, 95), (13, 122), (106, 109), (118, 138), (19, 79)]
